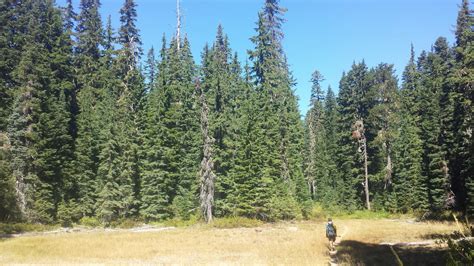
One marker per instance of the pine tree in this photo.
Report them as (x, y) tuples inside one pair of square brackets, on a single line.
[(12, 20), (408, 149), (89, 35), (316, 171), (383, 118), (460, 164), (409, 190), (279, 120), (433, 68), (334, 183), (39, 125), (154, 186), (222, 85), (150, 70), (354, 103), (173, 139)]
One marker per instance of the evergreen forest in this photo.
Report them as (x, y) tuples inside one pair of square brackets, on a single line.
[(92, 126)]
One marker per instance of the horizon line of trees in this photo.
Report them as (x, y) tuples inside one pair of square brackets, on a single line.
[(88, 130)]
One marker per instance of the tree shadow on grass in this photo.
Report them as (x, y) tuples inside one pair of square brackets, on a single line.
[(360, 253)]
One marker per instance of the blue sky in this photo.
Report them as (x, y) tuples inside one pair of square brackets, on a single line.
[(328, 35)]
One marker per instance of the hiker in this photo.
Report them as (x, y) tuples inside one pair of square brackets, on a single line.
[(331, 234)]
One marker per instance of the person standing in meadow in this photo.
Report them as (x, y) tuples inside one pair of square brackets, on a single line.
[(331, 234)]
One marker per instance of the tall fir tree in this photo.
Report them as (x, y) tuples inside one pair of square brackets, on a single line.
[(408, 149), (317, 158), (280, 120), (433, 69), (462, 73), (383, 119), (89, 90), (39, 125), (333, 183)]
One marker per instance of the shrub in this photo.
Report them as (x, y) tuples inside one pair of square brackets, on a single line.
[(177, 222), (317, 212), (283, 208), (235, 222), (68, 213), (90, 222), (183, 206), (126, 223)]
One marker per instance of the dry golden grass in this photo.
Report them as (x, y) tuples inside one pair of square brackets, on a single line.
[(300, 243), (361, 244), (379, 231)]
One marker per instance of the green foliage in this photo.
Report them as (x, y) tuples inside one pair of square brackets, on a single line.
[(184, 206), (283, 208), (68, 213), (177, 222), (126, 223), (84, 132), (90, 222), (235, 222)]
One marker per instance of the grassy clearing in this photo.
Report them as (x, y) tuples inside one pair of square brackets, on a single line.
[(298, 243)]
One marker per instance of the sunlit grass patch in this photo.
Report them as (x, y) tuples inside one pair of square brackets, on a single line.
[(231, 241)]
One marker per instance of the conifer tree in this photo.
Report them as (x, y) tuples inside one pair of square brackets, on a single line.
[(407, 148), (354, 105), (460, 163), (279, 119), (334, 183), (433, 69), (39, 125), (154, 186), (89, 35), (316, 171), (150, 70), (383, 119), (13, 28)]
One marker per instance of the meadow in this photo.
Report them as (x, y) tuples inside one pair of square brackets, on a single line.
[(361, 242)]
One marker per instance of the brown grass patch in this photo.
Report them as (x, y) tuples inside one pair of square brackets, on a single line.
[(361, 245), (300, 243)]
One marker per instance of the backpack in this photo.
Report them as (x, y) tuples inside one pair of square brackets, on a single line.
[(330, 230)]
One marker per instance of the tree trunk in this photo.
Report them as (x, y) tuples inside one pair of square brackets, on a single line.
[(178, 25), (207, 177), (366, 185)]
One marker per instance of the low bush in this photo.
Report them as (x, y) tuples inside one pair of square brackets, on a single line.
[(177, 222), (126, 223), (90, 222), (317, 212), (235, 222), (365, 214)]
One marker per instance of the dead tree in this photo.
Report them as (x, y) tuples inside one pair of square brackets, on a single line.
[(359, 135), (178, 24), (311, 164), (206, 175)]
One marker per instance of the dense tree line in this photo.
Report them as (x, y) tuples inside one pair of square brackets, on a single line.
[(90, 128), (415, 140)]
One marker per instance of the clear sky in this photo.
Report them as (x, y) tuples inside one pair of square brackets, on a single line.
[(328, 35)]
